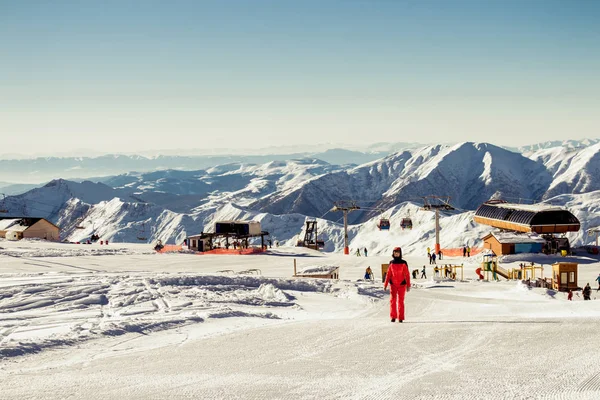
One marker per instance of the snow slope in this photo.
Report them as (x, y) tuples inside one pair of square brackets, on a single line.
[(135, 324)]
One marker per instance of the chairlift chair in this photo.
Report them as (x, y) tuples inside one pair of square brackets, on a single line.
[(78, 224)]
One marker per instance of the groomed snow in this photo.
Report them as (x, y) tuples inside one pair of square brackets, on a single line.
[(135, 324)]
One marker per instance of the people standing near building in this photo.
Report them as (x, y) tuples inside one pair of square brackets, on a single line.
[(398, 278), (587, 292), (423, 275), (570, 295)]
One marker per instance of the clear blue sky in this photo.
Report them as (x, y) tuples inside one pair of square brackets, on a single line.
[(138, 75)]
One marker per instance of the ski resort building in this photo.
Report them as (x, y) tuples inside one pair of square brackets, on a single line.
[(538, 218), (17, 228), (229, 235), (513, 243)]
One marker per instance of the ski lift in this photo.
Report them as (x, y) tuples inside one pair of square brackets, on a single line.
[(384, 224), (142, 233), (3, 208), (406, 222)]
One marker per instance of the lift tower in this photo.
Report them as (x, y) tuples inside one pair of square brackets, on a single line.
[(345, 207), (437, 203)]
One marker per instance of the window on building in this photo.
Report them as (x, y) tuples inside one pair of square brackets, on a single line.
[(572, 277)]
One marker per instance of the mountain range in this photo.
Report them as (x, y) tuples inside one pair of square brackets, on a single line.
[(171, 204)]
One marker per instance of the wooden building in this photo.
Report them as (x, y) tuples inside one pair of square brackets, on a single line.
[(322, 272), (17, 228), (513, 243), (564, 276)]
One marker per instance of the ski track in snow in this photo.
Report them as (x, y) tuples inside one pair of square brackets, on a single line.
[(137, 325)]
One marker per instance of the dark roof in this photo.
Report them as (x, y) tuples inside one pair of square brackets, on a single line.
[(517, 215), (536, 217), (29, 221)]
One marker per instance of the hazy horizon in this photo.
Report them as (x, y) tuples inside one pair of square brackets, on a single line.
[(135, 77)]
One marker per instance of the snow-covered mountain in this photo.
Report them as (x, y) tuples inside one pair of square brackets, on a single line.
[(470, 173), (567, 144), (574, 170), (170, 204), (42, 169)]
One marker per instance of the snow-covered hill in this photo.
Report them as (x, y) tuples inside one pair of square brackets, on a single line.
[(169, 205), (470, 173), (574, 170)]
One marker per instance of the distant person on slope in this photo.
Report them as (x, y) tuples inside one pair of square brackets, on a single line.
[(365, 251), (357, 252), (598, 280), (423, 275), (398, 277), (369, 274)]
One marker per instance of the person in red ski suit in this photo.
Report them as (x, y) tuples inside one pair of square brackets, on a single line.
[(398, 277)]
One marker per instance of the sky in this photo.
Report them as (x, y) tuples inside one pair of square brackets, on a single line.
[(127, 76)]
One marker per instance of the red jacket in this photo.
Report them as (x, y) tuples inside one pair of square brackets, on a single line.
[(397, 273)]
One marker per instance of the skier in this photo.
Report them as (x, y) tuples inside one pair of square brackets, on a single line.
[(464, 251), (398, 278), (468, 251), (423, 275), (598, 280), (357, 252), (440, 254), (433, 258), (570, 295), (365, 251)]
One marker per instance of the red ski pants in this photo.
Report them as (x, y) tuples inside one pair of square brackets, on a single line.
[(397, 301)]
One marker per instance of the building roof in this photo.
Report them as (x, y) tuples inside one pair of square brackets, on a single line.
[(10, 224), (527, 217), (318, 270), (511, 237), (24, 222)]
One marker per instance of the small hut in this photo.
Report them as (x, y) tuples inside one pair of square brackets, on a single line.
[(564, 276), (323, 272)]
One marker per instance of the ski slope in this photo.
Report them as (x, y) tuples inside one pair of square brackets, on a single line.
[(123, 322)]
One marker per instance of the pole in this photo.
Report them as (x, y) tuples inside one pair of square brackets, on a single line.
[(437, 231), (346, 249)]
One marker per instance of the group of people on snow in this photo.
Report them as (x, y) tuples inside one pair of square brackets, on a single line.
[(358, 252), (433, 256)]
